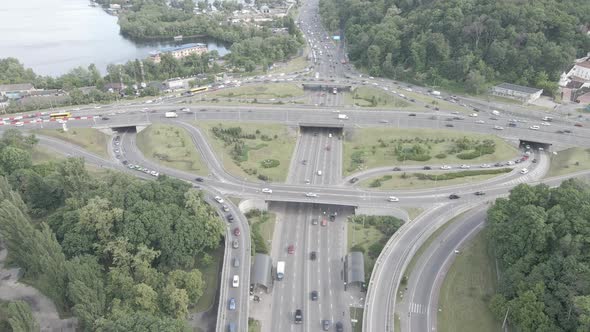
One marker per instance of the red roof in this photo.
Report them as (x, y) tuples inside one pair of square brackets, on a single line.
[(585, 64)]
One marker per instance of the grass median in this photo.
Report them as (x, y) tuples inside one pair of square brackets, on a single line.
[(467, 288), (171, 146), (366, 148), (416, 180), (88, 138), (569, 161), (262, 226), (258, 91), (365, 96), (252, 150)]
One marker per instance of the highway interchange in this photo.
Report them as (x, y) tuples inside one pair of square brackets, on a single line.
[(319, 148)]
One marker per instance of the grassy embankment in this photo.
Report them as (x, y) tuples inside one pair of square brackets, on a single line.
[(211, 278), (171, 146), (372, 97), (467, 288), (274, 142), (569, 161), (253, 92), (375, 147)]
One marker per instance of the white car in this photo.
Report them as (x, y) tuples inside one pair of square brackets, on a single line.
[(445, 167), (510, 163), (545, 123), (311, 195), (236, 281), (498, 127), (19, 124), (524, 171), (465, 166), (392, 199), (219, 199), (267, 190), (534, 127), (473, 115), (480, 121), (485, 166)]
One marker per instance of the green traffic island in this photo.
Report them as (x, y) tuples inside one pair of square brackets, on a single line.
[(372, 97), (171, 146), (406, 180), (88, 138), (369, 234), (366, 148), (252, 92), (253, 151)]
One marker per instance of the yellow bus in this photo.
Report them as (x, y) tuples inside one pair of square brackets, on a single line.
[(61, 115), (199, 89)]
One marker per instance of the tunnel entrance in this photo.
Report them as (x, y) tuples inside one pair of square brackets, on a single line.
[(534, 145)]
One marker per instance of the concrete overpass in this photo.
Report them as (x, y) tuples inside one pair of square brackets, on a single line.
[(113, 128)]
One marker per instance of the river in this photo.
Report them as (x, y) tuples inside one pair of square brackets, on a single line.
[(55, 36)]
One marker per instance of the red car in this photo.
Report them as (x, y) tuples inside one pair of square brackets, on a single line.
[(578, 125), (236, 231), (291, 249), (324, 222)]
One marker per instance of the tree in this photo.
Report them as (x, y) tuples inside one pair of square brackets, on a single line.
[(13, 158), (475, 82), (74, 178), (21, 318)]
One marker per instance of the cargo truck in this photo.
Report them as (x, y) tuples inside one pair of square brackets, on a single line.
[(342, 117), (280, 270), (171, 115)]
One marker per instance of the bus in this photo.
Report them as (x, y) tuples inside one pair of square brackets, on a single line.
[(199, 89), (61, 115)]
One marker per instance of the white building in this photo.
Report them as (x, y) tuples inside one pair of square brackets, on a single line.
[(576, 81), (519, 92)]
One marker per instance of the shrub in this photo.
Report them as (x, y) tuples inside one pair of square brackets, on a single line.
[(263, 177), (270, 163), (441, 156), (375, 183)]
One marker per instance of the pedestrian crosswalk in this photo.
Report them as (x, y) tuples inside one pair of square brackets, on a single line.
[(417, 308)]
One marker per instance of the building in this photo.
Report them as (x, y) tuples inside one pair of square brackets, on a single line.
[(180, 52), (576, 82), (179, 83), (518, 92), (261, 274), (16, 91), (355, 270)]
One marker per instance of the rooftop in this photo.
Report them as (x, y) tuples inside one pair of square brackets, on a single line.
[(16, 87), (585, 64), (260, 273), (355, 268), (519, 88)]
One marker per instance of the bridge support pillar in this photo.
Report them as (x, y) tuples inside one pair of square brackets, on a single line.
[(138, 129)]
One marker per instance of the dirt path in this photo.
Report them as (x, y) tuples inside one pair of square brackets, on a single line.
[(43, 308)]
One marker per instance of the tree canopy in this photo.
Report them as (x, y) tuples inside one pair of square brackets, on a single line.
[(463, 41), (541, 239), (118, 252)]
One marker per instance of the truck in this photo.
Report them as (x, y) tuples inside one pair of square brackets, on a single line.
[(342, 117), (171, 115), (280, 270), (436, 93)]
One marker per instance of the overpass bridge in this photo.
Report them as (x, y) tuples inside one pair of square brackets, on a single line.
[(112, 128)]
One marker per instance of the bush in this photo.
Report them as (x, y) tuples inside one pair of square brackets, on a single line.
[(441, 156), (270, 163), (375, 183), (468, 155), (358, 247), (263, 177)]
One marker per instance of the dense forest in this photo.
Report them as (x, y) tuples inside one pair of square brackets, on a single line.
[(116, 252), (541, 238), (463, 42)]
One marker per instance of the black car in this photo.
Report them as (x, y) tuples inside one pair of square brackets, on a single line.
[(230, 218), (479, 193), (512, 124), (454, 196), (314, 295), (353, 180), (105, 118), (304, 162), (412, 114), (427, 168), (298, 316), (534, 161), (339, 327), (567, 131), (313, 255), (498, 165), (199, 179), (449, 125), (326, 324), (397, 169)]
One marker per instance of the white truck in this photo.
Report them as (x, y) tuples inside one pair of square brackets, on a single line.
[(171, 115), (342, 117), (280, 270), (436, 93)]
